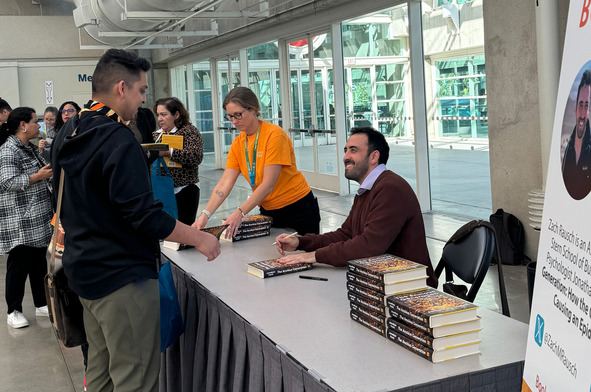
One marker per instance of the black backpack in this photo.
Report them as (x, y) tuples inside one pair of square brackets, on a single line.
[(510, 237)]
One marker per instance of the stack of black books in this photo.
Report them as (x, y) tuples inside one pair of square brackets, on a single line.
[(371, 280), (252, 226), (433, 324)]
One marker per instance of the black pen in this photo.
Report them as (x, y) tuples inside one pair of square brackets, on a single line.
[(312, 277)]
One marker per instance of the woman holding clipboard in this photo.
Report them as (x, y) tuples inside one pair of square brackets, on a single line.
[(263, 154), (183, 157)]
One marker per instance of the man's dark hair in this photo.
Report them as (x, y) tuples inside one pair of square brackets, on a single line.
[(117, 65), (4, 105), (375, 141), (585, 81)]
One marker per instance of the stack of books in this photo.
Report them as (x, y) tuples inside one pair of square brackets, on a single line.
[(371, 280), (252, 226), (214, 230), (433, 324)]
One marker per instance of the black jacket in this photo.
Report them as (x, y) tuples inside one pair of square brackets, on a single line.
[(109, 214), (577, 175)]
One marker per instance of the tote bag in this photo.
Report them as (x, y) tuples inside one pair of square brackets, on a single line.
[(163, 187), (171, 319)]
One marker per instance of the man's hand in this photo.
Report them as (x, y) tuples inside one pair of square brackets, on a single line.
[(286, 243), (308, 257), (208, 245)]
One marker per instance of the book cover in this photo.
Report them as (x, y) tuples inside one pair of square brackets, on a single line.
[(436, 332), (269, 268), (246, 236), (256, 220), (387, 288), (366, 292), (430, 354), (432, 307), (176, 142), (436, 344), (368, 322), (368, 303), (388, 268), (214, 230)]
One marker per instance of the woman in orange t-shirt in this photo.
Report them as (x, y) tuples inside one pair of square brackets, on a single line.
[(264, 154)]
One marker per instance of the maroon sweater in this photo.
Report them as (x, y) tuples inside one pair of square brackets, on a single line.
[(385, 219)]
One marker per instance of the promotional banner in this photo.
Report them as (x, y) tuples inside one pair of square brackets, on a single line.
[(559, 338)]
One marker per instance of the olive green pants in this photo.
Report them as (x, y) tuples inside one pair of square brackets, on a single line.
[(123, 333)]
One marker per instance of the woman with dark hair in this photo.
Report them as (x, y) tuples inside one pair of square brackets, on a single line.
[(264, 154), (66, 111), (25, 213), (174, 120)]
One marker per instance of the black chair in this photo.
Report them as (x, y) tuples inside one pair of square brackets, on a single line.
[(468, 255)]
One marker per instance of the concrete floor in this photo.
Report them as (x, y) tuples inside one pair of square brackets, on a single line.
[(33, 360)]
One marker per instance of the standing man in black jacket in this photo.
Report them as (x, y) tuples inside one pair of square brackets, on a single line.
[(113, 225)]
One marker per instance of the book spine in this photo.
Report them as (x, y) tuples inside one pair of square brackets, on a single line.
[(365, 281), (397, 309), (368, 323), (366, 292), (397, 317), (368, 303), (287, 270), (250, 229), (262, 222), (376, 316), (248, 236), (365, 272), (411, 345), (410, 332)]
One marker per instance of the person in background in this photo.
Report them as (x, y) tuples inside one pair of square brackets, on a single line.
[(4, 110), (49, 117), (174, 120), (385, 216), (112, 225), (66, 111), (264, 154), (25, 213)]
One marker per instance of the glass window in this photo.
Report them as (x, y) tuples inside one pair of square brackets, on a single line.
[(203, 114)]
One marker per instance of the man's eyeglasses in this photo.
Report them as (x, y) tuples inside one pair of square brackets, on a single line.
[(69, 111), (236, 116)]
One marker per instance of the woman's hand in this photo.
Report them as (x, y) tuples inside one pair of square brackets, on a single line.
[(44, 173), (200, 222), (234, 221), (42, 144)]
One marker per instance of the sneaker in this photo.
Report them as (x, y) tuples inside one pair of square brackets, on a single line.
[(17, 320), (42, 311)]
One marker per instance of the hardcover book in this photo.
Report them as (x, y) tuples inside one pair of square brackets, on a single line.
[(430, 354), (368, 322), (368, 303), (155, 146), (269, 268), (255, 220), (372, 314), (387, 288), (436, 332), (366, 292), (432, 307), (436, 344), (388, 268), (246, 236)]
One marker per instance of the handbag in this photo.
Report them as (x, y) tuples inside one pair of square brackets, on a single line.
[(163, 187), (171, 319), (65, 309)]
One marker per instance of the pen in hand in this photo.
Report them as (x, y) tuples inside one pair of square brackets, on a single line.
[(313, 277), (289, 236)]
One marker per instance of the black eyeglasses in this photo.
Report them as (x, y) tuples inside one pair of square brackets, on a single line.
[(236, 116), (69, 111)]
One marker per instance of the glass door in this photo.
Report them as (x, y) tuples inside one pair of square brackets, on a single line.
[(228, 78)]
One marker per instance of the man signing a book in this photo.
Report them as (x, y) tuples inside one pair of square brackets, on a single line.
[(385, 216)]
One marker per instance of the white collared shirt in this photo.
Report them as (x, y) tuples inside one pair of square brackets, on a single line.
[(371, 179)]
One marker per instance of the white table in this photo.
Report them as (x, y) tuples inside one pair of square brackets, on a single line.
[(308, 321)]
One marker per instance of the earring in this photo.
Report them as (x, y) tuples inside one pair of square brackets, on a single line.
[(25, 130)]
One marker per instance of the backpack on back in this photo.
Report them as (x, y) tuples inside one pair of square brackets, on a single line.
[(510, 237)]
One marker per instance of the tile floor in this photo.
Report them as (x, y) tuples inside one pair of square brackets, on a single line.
[(33, 360)]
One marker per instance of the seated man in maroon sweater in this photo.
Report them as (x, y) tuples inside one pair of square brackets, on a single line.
[(385, 217)]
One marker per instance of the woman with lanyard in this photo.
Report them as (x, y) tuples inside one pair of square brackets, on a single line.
[(264, 154), (173, 119), (25, 213)]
